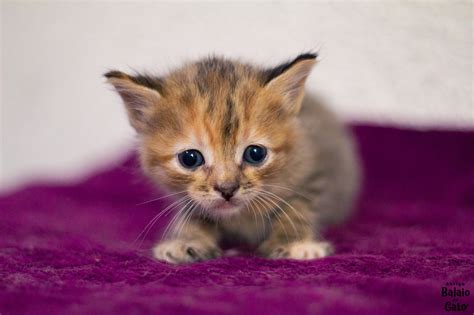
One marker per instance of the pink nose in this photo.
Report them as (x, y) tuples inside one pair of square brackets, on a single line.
[(227, 190)]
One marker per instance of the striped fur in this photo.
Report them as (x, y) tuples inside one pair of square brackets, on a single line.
[(219, 107)]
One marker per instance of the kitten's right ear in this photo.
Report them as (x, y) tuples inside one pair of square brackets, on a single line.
[(139, 94)]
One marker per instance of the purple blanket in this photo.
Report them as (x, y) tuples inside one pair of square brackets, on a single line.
[(69, 248)]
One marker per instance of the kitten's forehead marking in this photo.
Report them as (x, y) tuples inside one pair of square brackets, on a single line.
[(216, 81), (213, 71), (230, 123)]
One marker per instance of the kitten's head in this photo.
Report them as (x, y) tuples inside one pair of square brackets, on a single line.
[(218, 129)]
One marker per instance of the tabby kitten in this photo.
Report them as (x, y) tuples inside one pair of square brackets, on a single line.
[(253, 162)]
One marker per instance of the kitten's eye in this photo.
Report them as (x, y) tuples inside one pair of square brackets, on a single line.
[(191, 159), (255, 154)]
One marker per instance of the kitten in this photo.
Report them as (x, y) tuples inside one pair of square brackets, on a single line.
[(254, 162)]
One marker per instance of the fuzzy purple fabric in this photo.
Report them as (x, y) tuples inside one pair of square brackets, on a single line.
[(68, 249)]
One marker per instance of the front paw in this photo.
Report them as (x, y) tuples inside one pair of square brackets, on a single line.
[(301, 250), (181, 251)]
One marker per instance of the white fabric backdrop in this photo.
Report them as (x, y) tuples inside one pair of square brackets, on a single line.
[(403, 63)]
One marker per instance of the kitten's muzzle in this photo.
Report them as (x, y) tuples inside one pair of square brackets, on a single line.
[(227, 190)]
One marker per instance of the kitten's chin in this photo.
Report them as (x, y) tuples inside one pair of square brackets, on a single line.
[(224, 209)]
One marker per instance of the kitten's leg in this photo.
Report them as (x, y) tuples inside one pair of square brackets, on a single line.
[(293, 234), (196, 242)]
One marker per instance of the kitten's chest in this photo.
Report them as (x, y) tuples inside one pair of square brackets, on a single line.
[(244, 230)]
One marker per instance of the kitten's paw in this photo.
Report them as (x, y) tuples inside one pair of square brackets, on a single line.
[(180, 251), (302, 250)]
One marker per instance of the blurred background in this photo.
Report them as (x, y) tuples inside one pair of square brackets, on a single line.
[(401, 63)]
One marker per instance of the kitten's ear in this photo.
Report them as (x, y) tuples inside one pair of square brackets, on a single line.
[(289, 78), (139, 93)]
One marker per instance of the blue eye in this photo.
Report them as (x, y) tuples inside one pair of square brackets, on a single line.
[(191, 159), (255, 154)]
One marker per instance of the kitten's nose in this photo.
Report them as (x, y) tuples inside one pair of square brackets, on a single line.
[(227, 190)]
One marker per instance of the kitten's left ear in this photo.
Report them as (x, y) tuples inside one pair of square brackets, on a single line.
[(289, 78)]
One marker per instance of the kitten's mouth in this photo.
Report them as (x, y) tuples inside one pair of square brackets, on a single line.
[(224, 207), (226, 204)]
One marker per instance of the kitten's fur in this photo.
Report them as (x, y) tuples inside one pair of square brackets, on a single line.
[(219, 107)]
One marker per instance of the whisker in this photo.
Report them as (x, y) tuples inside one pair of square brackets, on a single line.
[(177, 216), (157, 215), (265, 208), (301, 216), (283, 212), (187, 216), (168, 210), (255, 215), (277, 215), (268, 216), (259, 215), (289, 205), (150, 224), (289, 189), (248, 205), (162, 197)]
